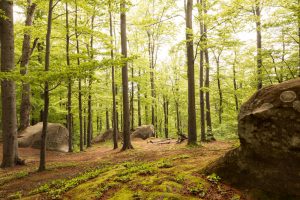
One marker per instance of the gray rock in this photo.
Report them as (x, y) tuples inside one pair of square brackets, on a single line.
[(143, 132), (269, 132), (57, 137), (106, 136)]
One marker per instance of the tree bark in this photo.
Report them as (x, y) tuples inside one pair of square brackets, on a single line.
[(235, 83), (132, 99), (258, 44), (166, 116), (139, 101), (192, 130), (201, 75), (79, 80), (90, 112), (8, 94), (220, 110), (126, 113), (113, 84), (42, 166), (207, 81), (69, 104), (25, 107)]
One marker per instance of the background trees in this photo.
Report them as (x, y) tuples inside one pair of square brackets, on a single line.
[(87, 62)]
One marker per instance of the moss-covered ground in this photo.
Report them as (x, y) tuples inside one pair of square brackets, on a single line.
[(150, 171)]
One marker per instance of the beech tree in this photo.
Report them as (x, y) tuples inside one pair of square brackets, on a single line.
[(8, 94), (126, 113), (42, 166), (26, 53), (192, 132)]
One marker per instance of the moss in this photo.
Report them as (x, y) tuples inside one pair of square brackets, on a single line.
[(123, 194), (165, 196), (169, 186), (91, 189)]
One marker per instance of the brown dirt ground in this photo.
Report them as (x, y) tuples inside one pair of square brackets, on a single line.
[(67, 165)]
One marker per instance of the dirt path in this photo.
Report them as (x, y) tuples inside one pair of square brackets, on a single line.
[(23, 179)]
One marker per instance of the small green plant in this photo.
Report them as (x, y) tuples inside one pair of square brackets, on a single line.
[(183, 156), (104, 187), (58, 187), (214, 178), (235, 197), (123, 179), (17, 195), (21, 174), (136, 196), (197, 190), (179, 178), (165, 164)]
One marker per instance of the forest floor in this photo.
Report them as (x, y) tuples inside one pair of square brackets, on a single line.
[(150, 171)]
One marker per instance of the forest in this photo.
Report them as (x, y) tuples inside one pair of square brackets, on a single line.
[(150, 99)]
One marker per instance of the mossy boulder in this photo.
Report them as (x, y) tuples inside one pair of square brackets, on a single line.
[(106, 136), (57, 137), (269, 132)]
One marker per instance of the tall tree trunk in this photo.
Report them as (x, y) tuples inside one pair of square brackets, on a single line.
[(84, 128), (235, 83), (42, 166), (25, 107), (139, 101), (126, 113), (192, 130), (113, 84), (8, 95), (220, 110), (79, 80), (69, 104), (207, 81), (298, 14), (90, 112), (107, 118), (151, 55), (166, 116), (132, 99), (258, 44), (201, 74)]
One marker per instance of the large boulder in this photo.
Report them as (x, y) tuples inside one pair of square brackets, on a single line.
[(106, 136), (57, 137), (269, 154), (144, 132)]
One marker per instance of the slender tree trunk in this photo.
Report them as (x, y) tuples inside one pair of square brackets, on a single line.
[(258, 44), (79, 81), (126, 113), (132, 100), (113, 84), (139, 101), (151, 53), (166, 116), (107, 119), (146, 111), (298, 14), (90, 111), (25, 107), (201, 75), (69, 104), (84, 128), (42, 166), (207, 81), (220, 110), (8, 95), (235, 83), (192, 130)]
